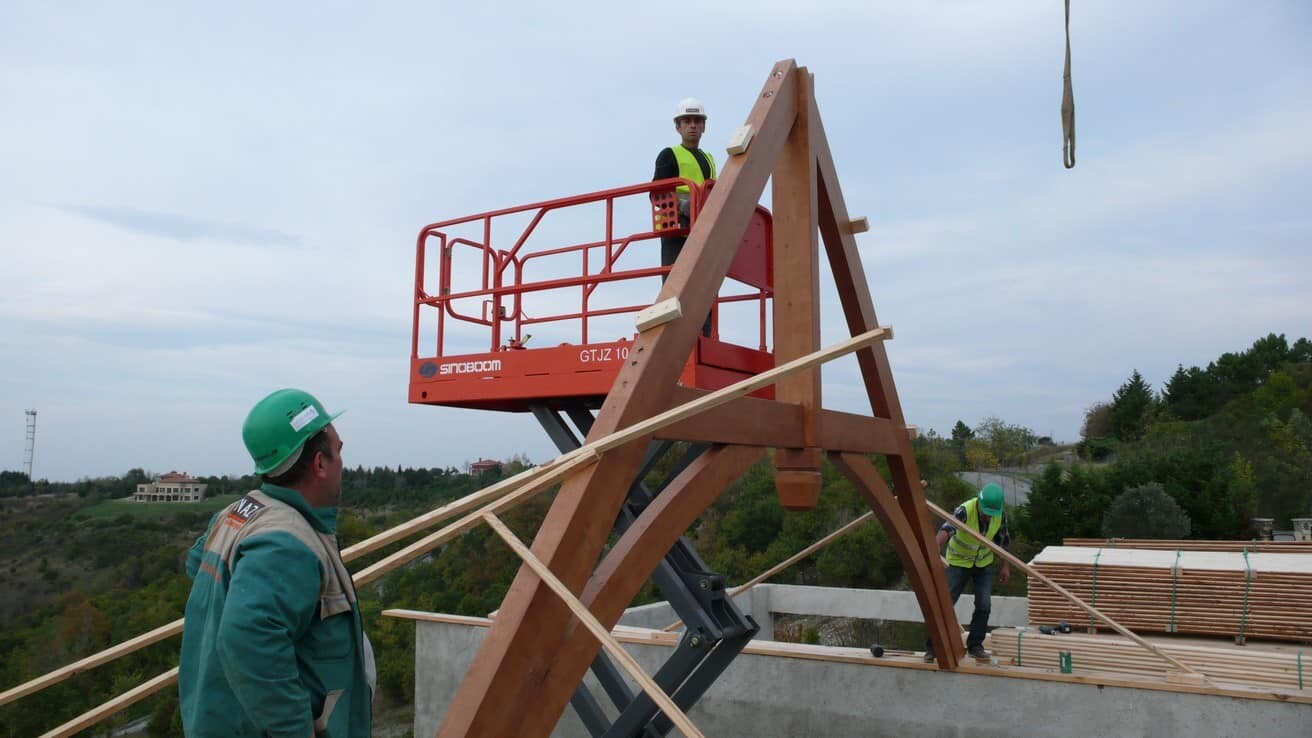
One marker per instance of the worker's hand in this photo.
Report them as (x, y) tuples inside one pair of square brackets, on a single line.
[(1004, 575)]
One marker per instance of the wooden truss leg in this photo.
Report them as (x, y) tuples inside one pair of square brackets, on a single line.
[(630, 563), (635, 555), (621, 574), (921, 569), (859, 308), (596, 629), (796, 303)]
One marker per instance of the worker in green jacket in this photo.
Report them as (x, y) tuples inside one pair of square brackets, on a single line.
[(272, 644), (971, 562)]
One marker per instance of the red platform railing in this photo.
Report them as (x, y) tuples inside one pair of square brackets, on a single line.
[(491, 290)]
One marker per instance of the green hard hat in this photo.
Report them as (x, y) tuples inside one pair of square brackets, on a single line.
[(990, 500), (279, 425)]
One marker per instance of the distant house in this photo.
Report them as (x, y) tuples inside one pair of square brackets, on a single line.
[(171, 487), (483, 465)]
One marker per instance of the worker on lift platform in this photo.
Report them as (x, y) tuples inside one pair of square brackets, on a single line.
[(686, 160)]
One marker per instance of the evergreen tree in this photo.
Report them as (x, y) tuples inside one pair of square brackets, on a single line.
[(961, 434), (1048, 511), (1132, 407), (1190, 393)]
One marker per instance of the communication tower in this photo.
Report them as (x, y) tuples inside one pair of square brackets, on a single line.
[(30, 449)]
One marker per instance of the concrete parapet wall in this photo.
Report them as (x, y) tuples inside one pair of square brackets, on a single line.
[(879, 604), (768, 696), (764, 601), (754, 602)]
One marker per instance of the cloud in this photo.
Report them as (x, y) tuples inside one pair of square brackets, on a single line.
[(165, 330), (183, 227), (950, 359), (1123, 190), (1253, 151)]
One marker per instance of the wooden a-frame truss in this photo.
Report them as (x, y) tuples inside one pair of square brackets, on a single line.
[(537, 651)]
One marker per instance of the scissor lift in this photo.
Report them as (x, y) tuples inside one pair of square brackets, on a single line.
[(482, 308)]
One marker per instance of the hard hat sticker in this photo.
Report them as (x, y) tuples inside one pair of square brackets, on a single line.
[(304, 417)]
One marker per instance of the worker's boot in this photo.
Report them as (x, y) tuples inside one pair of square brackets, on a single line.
[(929, 656), (978, 652)]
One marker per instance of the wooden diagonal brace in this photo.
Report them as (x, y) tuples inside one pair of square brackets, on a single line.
[(599, 632)]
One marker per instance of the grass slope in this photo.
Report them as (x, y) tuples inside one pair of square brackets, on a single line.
[(154, 510)]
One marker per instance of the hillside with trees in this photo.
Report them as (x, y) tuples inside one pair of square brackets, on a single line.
[(1226, 443)]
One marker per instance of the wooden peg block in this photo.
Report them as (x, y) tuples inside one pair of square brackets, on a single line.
[(740, 140), (858, 225), (798, 490), (658, 314)]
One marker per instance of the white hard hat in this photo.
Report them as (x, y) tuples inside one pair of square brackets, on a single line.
[(690, 106)]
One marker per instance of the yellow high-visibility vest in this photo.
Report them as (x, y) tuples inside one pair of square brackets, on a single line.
[(689, 167), (965, 551)]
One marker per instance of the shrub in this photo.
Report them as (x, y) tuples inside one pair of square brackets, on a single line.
[(1145, 512)]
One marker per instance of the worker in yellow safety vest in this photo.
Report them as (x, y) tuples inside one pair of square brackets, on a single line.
[(971, 562), (686, 160)]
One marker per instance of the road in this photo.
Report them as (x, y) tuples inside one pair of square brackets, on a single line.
[(1016, 489)]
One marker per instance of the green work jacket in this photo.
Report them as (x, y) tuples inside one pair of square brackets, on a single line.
[(272, 643)]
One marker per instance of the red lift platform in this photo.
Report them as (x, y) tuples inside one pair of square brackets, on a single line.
[(502, 276)]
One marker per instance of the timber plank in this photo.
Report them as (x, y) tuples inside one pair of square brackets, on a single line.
[(1199, 591)]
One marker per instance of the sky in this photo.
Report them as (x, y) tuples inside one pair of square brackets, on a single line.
[(201, 203)]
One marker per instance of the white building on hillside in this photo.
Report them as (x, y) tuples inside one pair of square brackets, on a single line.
[(171, 487)]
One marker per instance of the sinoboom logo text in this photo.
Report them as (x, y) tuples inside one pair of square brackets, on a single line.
[(470, 367)]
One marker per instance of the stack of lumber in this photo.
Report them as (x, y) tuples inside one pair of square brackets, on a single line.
[(1151, 544), (1254, 665), (1244, 595)]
